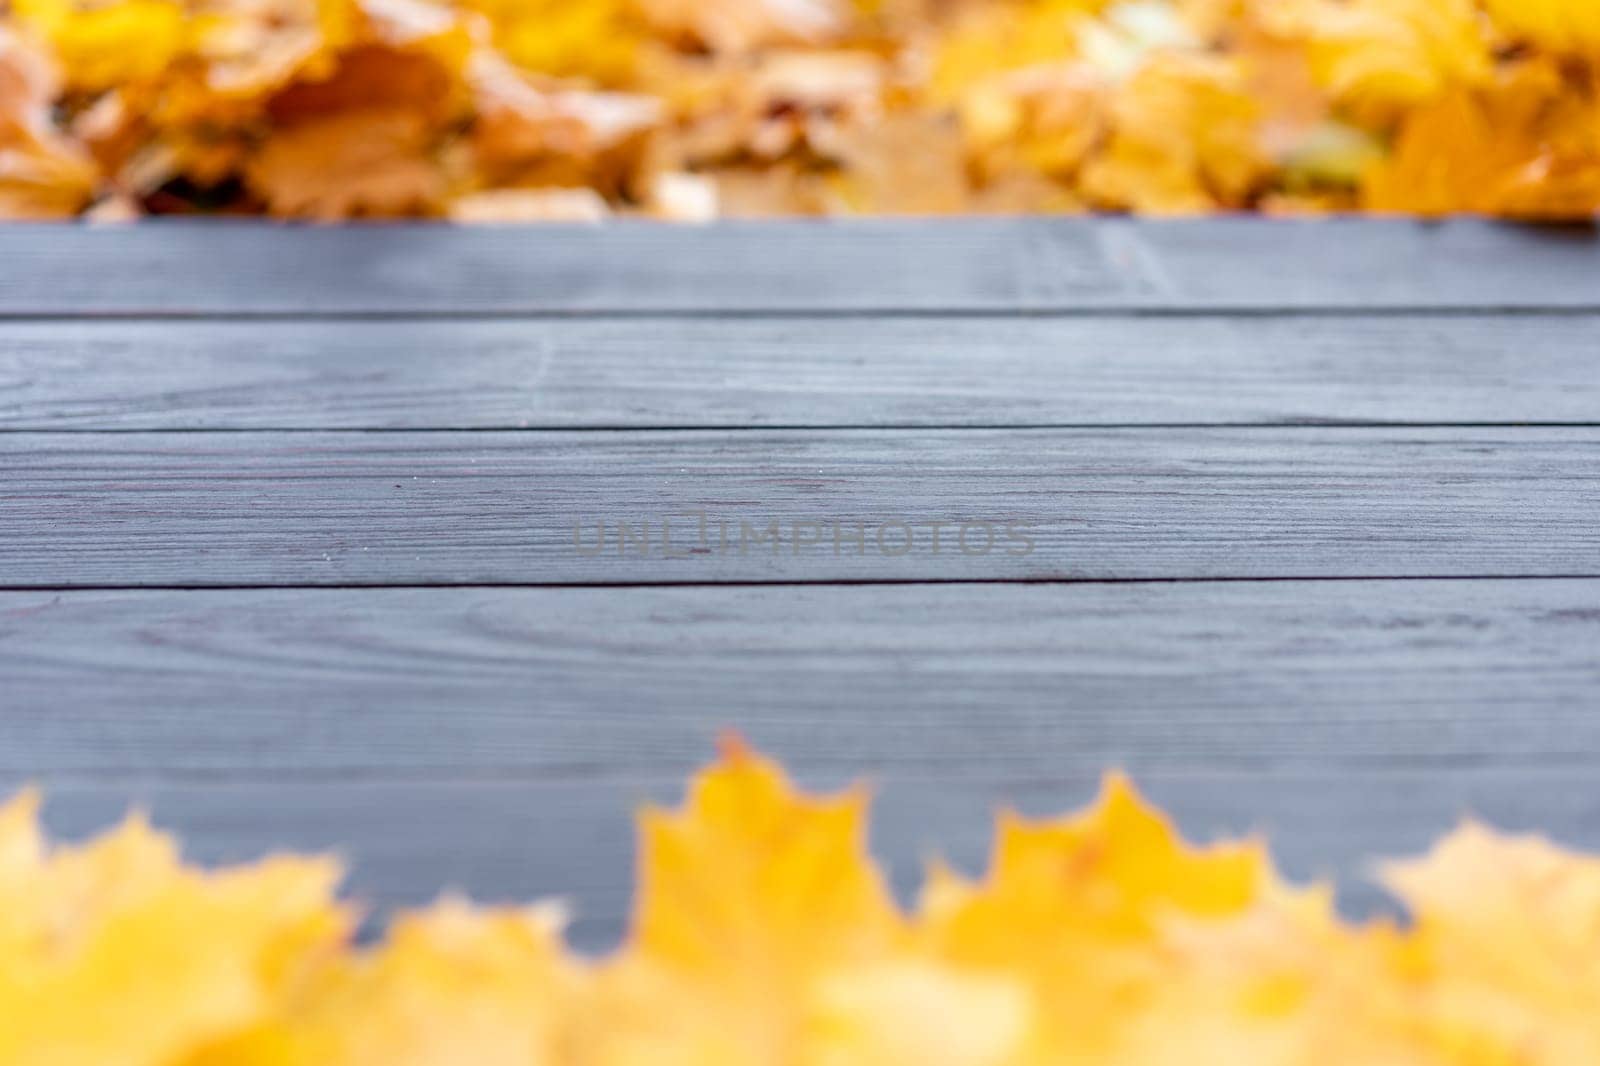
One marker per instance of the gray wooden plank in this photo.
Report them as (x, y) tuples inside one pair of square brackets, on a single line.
[(698, 372), (86, 509), (511, 841), (213, 266), (312, 684)]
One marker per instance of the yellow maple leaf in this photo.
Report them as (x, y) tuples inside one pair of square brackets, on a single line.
[(1563, 27), (115, 954), (103, 46), (1282, 983), (986, 40), (1186, 139), (451, 986), (598, 39), (1127, 106), (1381, 57), (1043, 120), (751, 870), (910, 1011), (1073, 907), (764, 936), (1508, 941), (746, 898)]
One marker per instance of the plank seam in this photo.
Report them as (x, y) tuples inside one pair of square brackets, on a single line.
[(789, 583), (1354, 310), (786, 427)]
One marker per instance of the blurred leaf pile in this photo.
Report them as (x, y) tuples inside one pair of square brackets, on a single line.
[(763, 935), (484, 110)]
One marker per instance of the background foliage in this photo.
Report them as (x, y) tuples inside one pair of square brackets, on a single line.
[(693, 109)]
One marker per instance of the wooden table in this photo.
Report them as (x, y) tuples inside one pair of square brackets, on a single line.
[(298, 532)]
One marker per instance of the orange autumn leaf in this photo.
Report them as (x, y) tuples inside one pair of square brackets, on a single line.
[(528, 134), (42, 174), (354, 164), (1521, 147)]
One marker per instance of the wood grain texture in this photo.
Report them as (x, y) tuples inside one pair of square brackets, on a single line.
[(215, 267), (324, 684), (387, 418), (83, 510), (702, 372), (512, 841)]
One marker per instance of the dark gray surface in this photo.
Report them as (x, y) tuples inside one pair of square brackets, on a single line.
[(271, 422), (799, 371), (181, 509), (999, 265), (335, 684)]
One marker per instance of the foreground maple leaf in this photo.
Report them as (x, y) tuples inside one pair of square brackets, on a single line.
[(747, 898), (1074, 908), (764, 935), (1508, 942), (451, 987), (114, 954)]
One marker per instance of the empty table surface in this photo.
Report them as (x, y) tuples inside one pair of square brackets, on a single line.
[(444, 548)]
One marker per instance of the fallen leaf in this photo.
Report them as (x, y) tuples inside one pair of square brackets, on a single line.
[(115, 954)]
